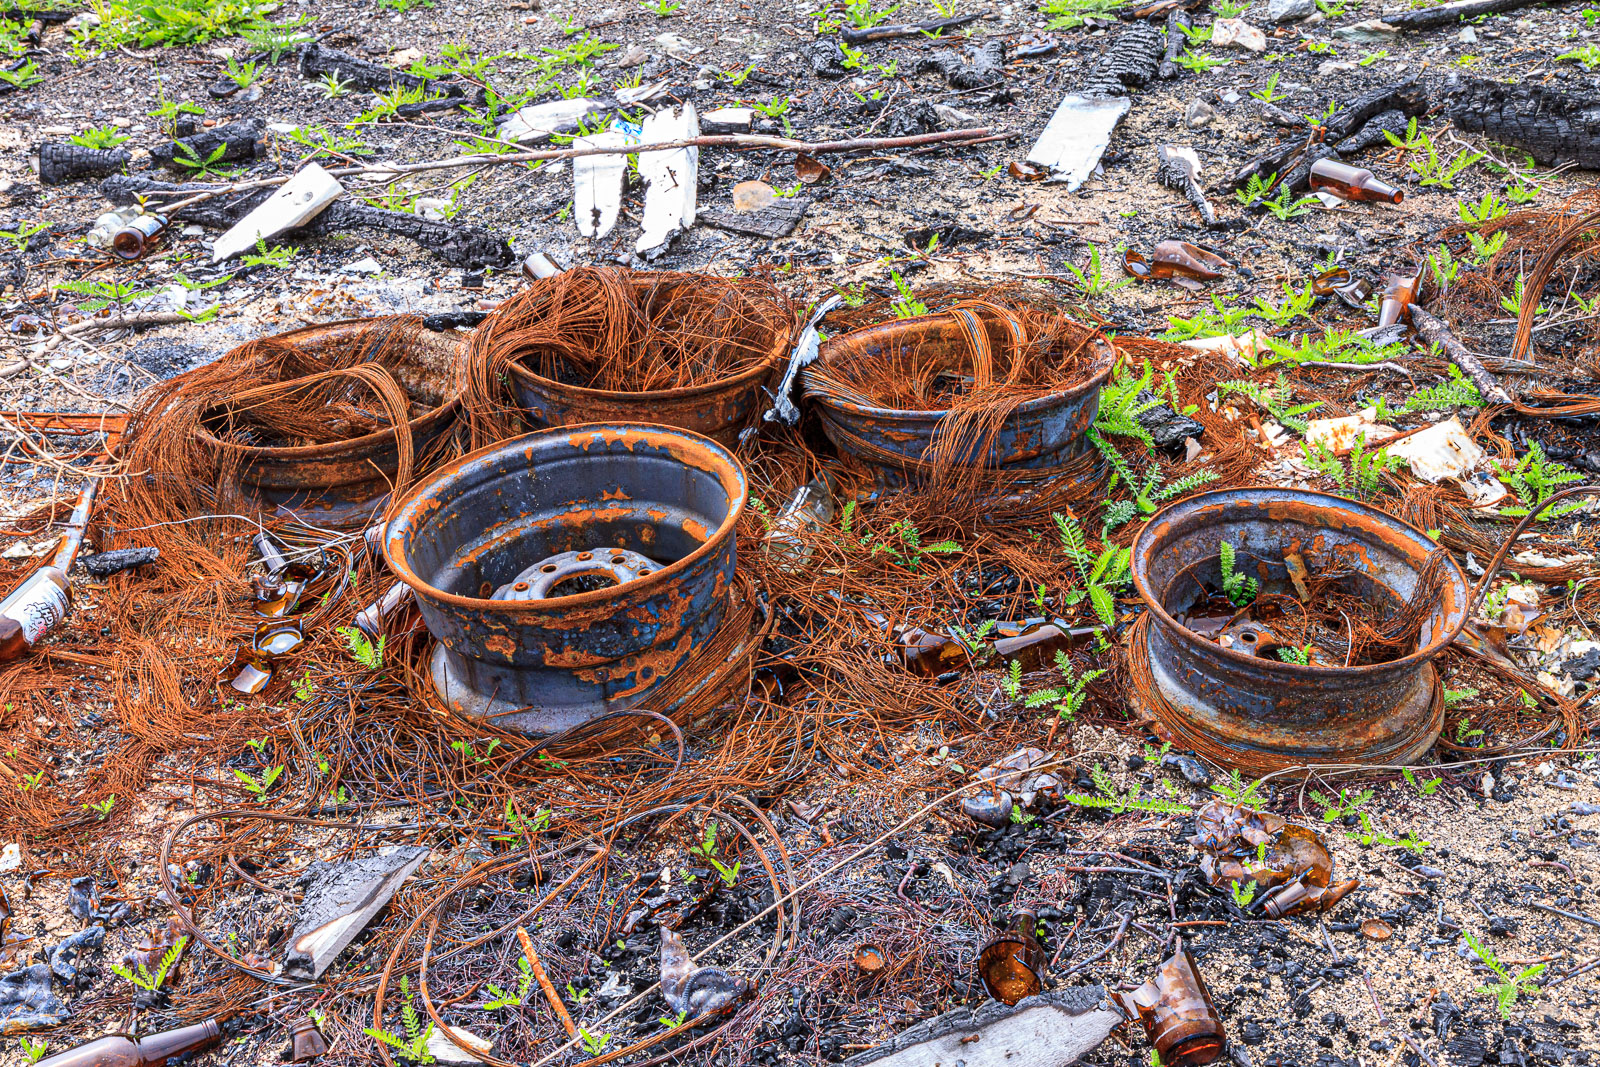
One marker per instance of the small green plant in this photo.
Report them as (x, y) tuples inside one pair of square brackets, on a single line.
[(102, 808), (1109, 799), (1345, 804), (258, 786), (467, 749), (277, 38), (1535, 479), (414, 1046), (1068, 697), (1300, 655), (1300, 305), (1199, 64), (1277, 400), (23, 76), (1426, 789), (167, 112), (1360, 475), (333, 86), (152, 982), (243, 75), (1243, 893), (1010, 682), (1237, 791), (707, 849), (1588, 55), (1509, 987), (901, 542), (276, 256), (672, 1022), (1464, 731), (1456, 391), (1444, 267), (1372, 57), (98, 137), (1433, 169), (1269, 95), (1286, 206), (522, 826), (1486, 248), (502, 999), (1196, 34), (187, 156), (30, 782), (1256, 188), (1092, 280), (32, 1049), (1228, 9), (1521, 194), (304, 687), (361, 648), (1070, 14), (1238, 587), (19, 238), (593, 1044), (1488, 208), (1101, 574), (102, 294), (1513, 302)]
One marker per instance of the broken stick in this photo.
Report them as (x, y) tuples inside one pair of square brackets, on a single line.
[(1434, 331), (544, 982)]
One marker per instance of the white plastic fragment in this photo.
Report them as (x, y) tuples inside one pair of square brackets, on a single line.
[(536, 122), (444, 1050), (10, 857), (1443, 451), (1344, 432), (728, 120), (597, 183), (671, 177), (1246, 344), (1076, 137), (296, 203)]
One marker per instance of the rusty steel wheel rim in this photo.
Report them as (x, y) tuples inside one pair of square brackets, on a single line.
[(342, 482), (468, 535), (1258, 713)]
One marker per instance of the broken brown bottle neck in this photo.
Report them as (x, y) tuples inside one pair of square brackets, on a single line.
[(1398, 296), (149, 1050), (138, 237), (1351, 183), (1177, 1014)]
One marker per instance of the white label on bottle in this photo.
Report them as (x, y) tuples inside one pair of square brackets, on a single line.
[(37, 609)]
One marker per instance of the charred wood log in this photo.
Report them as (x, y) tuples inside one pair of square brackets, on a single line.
[(1178, 22), (318, 62), (61, 163), (1298, 176), (852, 36), (456, 244), (1130, 63), (1433, 330), (1372, 134), (1450, 14), (1550, 126), (983, 69), (246, 139), (1177, 171), (1409, 97)]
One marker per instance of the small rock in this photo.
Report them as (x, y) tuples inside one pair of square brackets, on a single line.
[(1468, 35), (87, 20), (366, 265), (1200, 114), (1372, 31), (432, 208), (1334, 66), (633, 57), (1229, 98), (1290, 10), (677, 47), (1238, 33)]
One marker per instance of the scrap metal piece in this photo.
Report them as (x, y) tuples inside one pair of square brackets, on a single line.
[(1076, 137), (1048, 1030), (340, 901), (27, 1001), (1257, 714), (804, 354)]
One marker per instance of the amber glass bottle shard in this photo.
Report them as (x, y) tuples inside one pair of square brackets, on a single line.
[(1398, 295), (1175, 1009), (1351, 183), (1174, 259), (1011, 963)]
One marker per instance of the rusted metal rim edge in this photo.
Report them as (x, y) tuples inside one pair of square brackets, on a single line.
[(260, 454), (1172, 725), (1258, 493), (683, 392), (403, 515), (1106, 363)]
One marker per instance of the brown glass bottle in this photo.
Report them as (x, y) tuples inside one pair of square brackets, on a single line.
[(1351, 183), (1174, 259), (1177, 1014), (1011, 963), (1036, 647), (306, 1040), (1398, 295), (138, 237), (147, 1050), (38, 605)]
